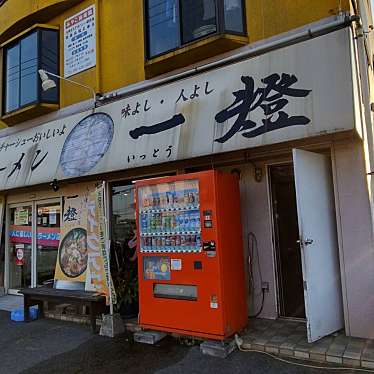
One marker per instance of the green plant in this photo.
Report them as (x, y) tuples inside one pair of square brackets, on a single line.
[(126, 285), (124, 269)]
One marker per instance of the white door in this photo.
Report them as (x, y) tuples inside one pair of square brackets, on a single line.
[(318, 244)]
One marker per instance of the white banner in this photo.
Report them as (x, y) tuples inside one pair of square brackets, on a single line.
[(292, 93), (80, 42), (98, 252)]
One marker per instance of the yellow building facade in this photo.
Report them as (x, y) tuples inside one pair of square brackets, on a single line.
[(120, 39)]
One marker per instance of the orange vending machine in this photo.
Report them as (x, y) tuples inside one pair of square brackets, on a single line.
[(191, 265)]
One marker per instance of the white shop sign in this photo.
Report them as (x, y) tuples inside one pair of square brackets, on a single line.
[(293, 93), (80, 42)]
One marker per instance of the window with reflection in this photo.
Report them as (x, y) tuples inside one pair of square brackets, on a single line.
[(48, 228), (199, 19), (233, 13), (163, 26), (174, 23), (22, 60)]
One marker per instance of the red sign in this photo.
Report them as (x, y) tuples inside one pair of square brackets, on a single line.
[(46, 236), (79, 18)]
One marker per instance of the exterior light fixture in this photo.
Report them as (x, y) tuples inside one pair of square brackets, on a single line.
[(54, 185), (48, 83), (258, 174)]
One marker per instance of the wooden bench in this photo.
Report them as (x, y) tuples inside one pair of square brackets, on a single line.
[(36, 296)]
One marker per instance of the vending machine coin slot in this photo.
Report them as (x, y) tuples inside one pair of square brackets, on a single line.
[(197, 265), (208, 221), (210, 248)]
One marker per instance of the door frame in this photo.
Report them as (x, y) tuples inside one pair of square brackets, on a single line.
[(33, 204), (9, 290), (276, 275), (286, 159), (276, 250), (343, 279)]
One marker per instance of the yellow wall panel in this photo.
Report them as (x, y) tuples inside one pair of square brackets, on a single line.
[(122, 43), (69, 93), (120, 52), (16, 15), (266, 18)]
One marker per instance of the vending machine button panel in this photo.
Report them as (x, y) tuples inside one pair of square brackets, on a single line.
[(208, 220), (210, 248)]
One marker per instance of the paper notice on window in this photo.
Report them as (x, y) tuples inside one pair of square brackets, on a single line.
[(80, 42), (52, 217), (21, 217)]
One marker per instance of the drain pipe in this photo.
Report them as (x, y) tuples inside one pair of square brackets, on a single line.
[(342, 22)]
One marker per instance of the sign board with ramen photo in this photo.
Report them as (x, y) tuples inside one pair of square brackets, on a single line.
[(82, 255), (72, 259)]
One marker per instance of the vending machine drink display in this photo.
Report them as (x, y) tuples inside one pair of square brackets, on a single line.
[(191, 266)]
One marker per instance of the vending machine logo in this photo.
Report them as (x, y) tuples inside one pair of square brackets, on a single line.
[(157, 268)]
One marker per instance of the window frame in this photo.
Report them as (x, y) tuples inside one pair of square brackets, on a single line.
[(38, 28), (220, 25)]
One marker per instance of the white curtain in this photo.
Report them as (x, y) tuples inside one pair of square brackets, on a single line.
[(209, 9), (232, 4)]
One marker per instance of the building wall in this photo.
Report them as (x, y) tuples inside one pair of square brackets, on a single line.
[(266, 18), (120, 51), (356, 189), (120, 35), (356, 247), (355, 239), (257, 233), (18, 15), (257, 237)]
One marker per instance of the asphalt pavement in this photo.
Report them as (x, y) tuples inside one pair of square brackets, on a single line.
[(48, 346)]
